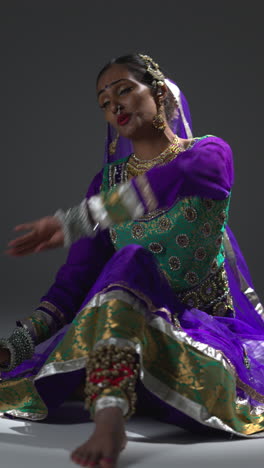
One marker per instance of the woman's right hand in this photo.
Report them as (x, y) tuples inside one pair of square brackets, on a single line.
[(4, 356), (45, 233)]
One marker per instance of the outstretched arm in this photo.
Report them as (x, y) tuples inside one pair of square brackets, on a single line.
[(85, 261), (206, 170)]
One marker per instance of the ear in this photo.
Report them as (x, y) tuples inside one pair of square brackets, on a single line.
[(161, 91)]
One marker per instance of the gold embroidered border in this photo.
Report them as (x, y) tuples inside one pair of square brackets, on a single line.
[(188, 400), (19, 396), (247, 290)]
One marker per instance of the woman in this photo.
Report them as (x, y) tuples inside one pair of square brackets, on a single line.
[(155, 304)]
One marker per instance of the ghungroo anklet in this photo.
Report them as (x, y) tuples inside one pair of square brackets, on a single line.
[(112, 373)]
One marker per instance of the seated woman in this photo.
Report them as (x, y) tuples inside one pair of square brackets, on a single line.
[(154, 304)]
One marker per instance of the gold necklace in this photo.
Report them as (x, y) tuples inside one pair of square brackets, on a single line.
[(136, 166)]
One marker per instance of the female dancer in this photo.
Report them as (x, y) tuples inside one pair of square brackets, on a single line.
[(155, 302)]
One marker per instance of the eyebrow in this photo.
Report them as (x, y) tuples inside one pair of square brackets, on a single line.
[(109, 86)]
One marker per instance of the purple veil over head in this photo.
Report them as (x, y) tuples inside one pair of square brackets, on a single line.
[(180, 124)]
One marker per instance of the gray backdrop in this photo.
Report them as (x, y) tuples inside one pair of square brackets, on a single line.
[(52, 132)]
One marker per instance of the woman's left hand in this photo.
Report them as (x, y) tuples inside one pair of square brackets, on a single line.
[(45, 233)]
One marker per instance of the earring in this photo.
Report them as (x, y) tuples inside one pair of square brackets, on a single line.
[(113, 145), (158, 121)]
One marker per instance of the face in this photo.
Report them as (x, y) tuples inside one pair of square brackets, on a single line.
[(118, 89)]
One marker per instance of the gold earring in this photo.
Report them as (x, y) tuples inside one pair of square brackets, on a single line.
[(158, 121), (113, 145)]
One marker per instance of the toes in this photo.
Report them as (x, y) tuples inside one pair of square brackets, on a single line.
[(92, 462), (108, 462), (85, 458), (79, 457)]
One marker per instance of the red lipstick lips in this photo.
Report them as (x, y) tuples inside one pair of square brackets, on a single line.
[(123, 119)]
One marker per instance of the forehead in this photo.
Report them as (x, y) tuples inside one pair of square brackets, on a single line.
[(114, 73)]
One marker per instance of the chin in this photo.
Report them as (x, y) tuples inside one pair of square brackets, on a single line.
[(129, 133), (136, 132)]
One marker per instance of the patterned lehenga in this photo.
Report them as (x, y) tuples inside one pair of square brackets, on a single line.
[(158, 311)]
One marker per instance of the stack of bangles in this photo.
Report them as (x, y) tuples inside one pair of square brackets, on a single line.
[(98, 212), (21, 347), (112, 373)]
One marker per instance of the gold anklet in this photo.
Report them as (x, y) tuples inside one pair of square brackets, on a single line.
[(112, 371)]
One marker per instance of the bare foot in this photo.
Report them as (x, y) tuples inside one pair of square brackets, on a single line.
[(107, 441)]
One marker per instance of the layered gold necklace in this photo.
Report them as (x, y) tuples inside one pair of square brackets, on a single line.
[(136, 166)]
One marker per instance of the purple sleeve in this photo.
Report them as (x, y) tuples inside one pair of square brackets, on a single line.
[(205, 170), (84, 263)]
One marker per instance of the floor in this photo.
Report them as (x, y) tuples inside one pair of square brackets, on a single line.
[(151, 444)]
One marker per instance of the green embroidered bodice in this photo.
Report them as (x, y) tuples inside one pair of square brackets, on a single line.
[(186, 240)]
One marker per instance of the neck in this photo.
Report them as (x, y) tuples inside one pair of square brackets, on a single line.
[(149, 147)]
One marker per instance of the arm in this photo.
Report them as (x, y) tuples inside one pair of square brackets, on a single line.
[(84, 263), (206, 170), (59, 305)]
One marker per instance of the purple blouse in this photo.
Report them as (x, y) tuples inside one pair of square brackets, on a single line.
[(204, 170)]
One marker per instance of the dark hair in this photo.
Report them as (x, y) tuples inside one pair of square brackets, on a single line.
[(137, 66)]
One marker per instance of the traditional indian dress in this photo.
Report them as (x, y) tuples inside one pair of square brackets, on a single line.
[(167, 279)]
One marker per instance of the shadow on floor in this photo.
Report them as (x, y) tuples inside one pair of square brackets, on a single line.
[(69, 425)]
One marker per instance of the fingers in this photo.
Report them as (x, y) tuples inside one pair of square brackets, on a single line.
[(22, 240), (30, 244), (24, 227), (44, 246), (20, 251)]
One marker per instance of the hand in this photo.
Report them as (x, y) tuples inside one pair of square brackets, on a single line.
[(45, 233), (4, 356)]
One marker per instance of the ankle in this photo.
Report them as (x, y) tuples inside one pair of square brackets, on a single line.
[(109, 414)]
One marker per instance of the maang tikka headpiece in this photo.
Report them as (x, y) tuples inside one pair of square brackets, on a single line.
[(158, 81), (153, 69)]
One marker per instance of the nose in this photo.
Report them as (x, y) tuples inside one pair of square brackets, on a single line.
[(116, 108)]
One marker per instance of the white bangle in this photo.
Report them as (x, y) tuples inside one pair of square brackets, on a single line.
[(76, 222)]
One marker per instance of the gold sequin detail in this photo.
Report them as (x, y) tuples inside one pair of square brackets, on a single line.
[(190, 214), (206, 230), (151, 215), (182, 240), (174, 263), (220, 309), (211, 295), (165, 224), (137, 231), (156, 247), (191, 299), (208, 291), (208, 203), (113, 235), (200, 253), (191, 277)]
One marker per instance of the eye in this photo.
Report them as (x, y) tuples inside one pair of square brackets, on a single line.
[(125, 90), (105, 104)]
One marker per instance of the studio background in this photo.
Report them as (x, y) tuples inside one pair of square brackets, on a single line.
[(52, 131)]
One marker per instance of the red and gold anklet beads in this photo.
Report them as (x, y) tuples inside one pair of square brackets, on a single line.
[(112, 371)]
